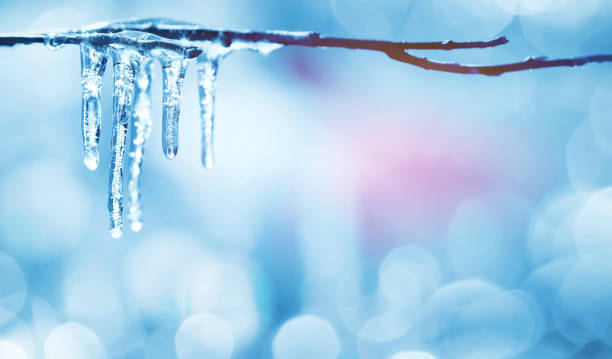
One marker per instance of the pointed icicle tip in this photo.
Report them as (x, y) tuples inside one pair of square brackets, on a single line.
[(115, 232), (91, 162), (170, 152)]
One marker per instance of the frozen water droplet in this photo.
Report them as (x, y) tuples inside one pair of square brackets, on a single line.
[(264, 47), (115, 232), (52, 43), (207, 84), (125, 63), (93, 64), (173, 71), (204, 336), (140, 132), (91, 161)]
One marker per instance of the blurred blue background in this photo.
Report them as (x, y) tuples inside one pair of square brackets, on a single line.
[(359, 207)]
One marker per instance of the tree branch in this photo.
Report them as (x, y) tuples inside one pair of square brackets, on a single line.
[(181, 32), (495, 70)]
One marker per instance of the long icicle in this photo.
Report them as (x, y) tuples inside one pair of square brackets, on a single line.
[(140, 132), (207, 84), (93, 64), (173, 71), (125, 64)]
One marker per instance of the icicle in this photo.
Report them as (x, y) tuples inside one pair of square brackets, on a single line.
[(207, 84), (139, 133), (93, 64), (173, 71), (125, 63)]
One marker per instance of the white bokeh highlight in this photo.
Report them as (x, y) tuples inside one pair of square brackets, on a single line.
[(204, 336), (73, 341), (306, 337), (11, 350)]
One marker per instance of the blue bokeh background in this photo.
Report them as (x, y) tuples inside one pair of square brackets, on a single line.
[(359, 207)]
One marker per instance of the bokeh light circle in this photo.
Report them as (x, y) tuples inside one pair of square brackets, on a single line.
[(412, 355), (371, 18), (73, 341), (550, 234), (204, 336), (600, 113), (306, 337), (456, 20), (408, 276), (593, 227), (500, 326), (588, 166), (13, 287), (11, 350)]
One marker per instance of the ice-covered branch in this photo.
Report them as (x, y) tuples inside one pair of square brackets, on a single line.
[(133, 45)]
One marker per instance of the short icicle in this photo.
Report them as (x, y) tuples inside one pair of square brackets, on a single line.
[(125, 63), (139, 134), (93, 64), (207, 84), (173, 71)]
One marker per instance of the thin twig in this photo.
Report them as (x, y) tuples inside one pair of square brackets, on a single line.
[(496, 70)]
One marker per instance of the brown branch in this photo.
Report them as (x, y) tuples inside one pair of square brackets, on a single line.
[(179, 31), (496, 70)]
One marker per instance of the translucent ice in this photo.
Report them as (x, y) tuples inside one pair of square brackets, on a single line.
[(93, 64), (207, 83), (173, 72), (133, 45), (125, 63), (139, 134)]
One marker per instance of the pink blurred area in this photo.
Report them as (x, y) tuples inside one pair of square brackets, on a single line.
[(406, 172)]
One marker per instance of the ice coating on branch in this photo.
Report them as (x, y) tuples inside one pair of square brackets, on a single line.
[(173, 73), (93, 64), (133, 45), (125, 63), (51, 42), (139, 133), (207, 85)]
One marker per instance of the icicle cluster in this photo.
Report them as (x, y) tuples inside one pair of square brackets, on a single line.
[(133, 54)]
